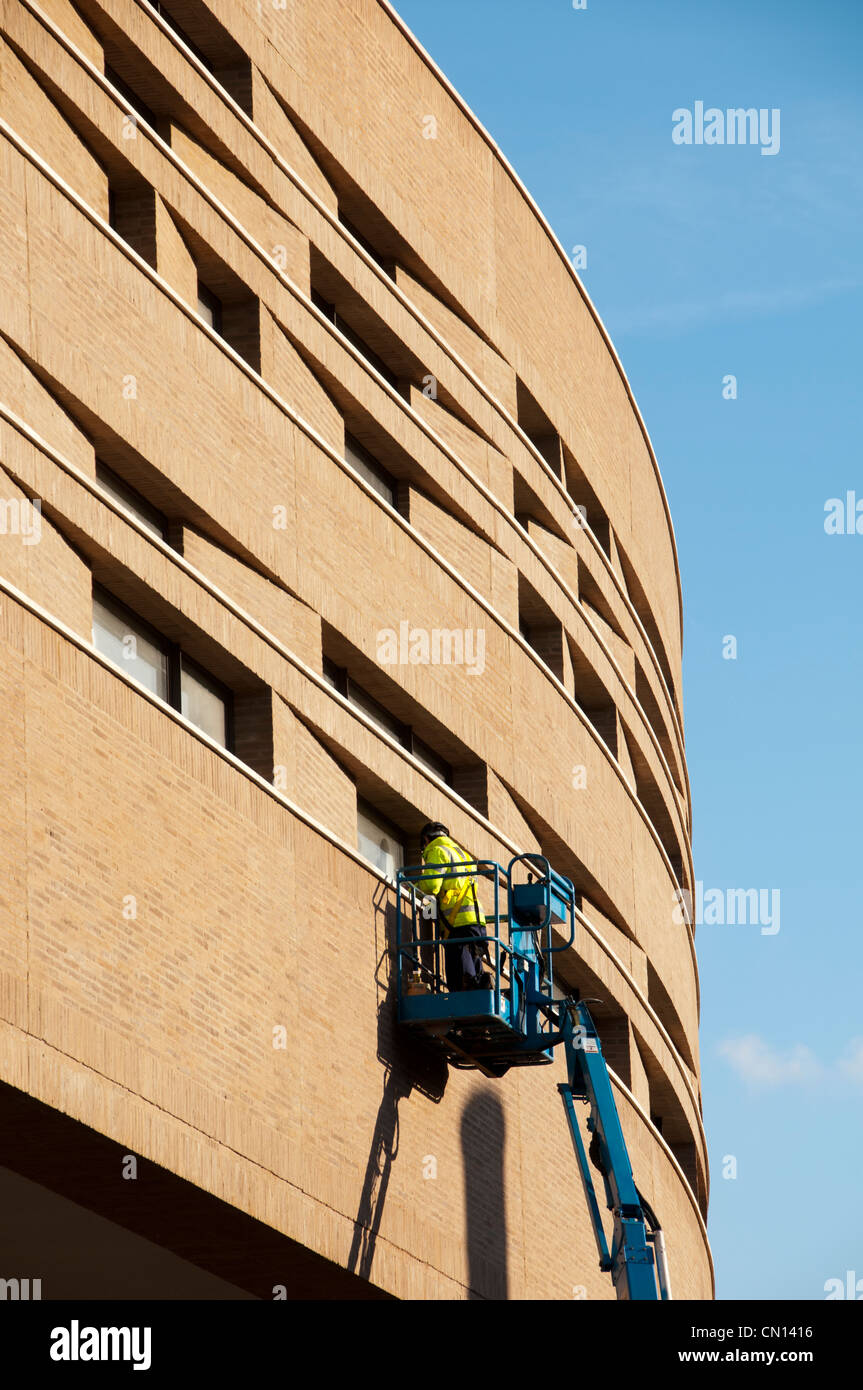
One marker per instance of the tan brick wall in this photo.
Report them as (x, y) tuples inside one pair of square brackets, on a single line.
[(313, 777), (175, 1007), (37, 559), (157, 1028), (174, 261), (278, 238), (30, 112), (69, 21)]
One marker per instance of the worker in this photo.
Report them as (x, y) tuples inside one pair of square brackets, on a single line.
[(459, 911)]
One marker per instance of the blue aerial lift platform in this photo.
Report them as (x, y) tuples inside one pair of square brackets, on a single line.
[(518, 1021)]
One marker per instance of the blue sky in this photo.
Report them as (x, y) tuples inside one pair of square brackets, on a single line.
[(703, 261)]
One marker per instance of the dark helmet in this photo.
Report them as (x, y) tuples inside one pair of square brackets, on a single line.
[(431, 831)]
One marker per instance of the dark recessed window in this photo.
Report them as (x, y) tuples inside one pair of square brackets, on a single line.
[(339, 679), (131, 500), (430, 759), (330, 312), (335, 675), (369, 468), (161, 666), (327, 309), (364, 242), (181, 34), (139, 106), (209, 307), (132, 644), (375, 711)]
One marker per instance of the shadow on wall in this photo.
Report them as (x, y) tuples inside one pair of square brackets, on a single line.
[(409, 1064), (483, 1134)]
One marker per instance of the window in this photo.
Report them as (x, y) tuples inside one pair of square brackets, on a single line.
[(181, 34), (334, 675), (339, 679), (223, 301), (430, 759), (212, 45), (132, 214), (209, 308), (130, 643), (202, 700), (538, 428), (327, 309), (330, 312), (540, 628), (131, 500), (378, 840), (590, 508), (369, 468), (375, 711), (131, 96), (160, 666), (364, 242)]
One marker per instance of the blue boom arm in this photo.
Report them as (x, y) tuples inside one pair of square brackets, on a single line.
[(630, 1260)]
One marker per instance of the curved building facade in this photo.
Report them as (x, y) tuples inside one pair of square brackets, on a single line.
[(328, 511)]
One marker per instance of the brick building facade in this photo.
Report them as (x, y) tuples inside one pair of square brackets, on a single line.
[(288, 360)]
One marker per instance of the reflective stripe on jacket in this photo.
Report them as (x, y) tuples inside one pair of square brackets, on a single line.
[(456, 893)]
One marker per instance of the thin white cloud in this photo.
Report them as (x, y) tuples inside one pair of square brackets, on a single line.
[(759, 1064), (851, 1065)]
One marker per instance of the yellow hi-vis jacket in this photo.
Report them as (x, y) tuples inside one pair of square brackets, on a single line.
[(455, 893)]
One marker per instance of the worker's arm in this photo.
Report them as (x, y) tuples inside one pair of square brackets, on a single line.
[(432, 883)]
